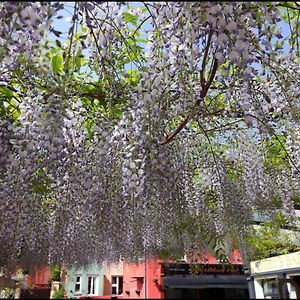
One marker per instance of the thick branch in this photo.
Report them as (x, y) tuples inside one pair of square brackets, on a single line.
[(212, 75), (177, 130), (190, 116), (202, 79)]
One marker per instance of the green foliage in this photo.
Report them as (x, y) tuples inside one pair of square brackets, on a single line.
[(291, 16), (234, 173), (79, 59), (8, 103), (132, 77), (40, 182), (267, 239), (173, 254), (59, 294), (211, 199), (57, 64), (130, 18), (266, 247), (55, 273), (296, 200), (276, 154), (9, 293)]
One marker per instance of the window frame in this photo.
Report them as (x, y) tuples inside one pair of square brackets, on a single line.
[(80, 284), (94, 285), (117, 285)]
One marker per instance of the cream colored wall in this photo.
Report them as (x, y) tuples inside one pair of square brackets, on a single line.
[(112, 270)]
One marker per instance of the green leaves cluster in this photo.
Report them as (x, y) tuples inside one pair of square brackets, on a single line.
[(8, 103), (276, 154), (55, 273), (291, 16), (267, 239)]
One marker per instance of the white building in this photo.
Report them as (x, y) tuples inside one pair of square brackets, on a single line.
[(277, 277)]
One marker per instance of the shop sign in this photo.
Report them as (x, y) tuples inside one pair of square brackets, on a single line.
[(281, 262), (198, 269)]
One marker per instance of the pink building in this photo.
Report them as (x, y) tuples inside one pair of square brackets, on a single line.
[(143, 280)]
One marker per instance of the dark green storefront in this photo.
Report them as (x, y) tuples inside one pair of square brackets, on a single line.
[(204, 281)]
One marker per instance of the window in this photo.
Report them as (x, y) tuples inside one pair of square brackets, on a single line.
[(78, 284), (92, 285), (139, 283), (270, 289), (117, 285)]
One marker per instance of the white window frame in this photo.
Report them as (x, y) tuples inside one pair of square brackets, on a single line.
[(94, 285), (80, 284), (116, 285)]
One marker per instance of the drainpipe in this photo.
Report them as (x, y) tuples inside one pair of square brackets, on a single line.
[(146, 277)]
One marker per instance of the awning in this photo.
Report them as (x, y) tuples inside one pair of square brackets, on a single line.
[(205, 281)]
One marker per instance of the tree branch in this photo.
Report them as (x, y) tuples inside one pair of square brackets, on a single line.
[(212, 74), (190, 116), (202, 79), (223, 126)]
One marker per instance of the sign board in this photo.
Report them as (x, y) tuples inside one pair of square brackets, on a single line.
[(198, 269), (281, 262)]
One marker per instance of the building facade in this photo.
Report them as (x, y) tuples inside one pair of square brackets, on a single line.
[(277, 277), (87, 282), (206, 278), (113, 280), (154, 278), (143, 280)]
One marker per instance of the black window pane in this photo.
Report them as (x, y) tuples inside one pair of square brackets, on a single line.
[(89, 284), (93, 286), (120, 285)]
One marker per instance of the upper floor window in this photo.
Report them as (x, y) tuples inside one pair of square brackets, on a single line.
[(78, 284), (92, 285), (117, 285)]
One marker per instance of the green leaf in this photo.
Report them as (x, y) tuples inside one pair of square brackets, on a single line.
[(78, 59), (57, 64), (5, 92), (129, 18), (143, 9)]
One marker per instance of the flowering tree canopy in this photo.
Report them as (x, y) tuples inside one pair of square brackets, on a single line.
[(116, 142)]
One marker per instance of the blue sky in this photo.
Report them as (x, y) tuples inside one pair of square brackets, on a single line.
[(63, 24)]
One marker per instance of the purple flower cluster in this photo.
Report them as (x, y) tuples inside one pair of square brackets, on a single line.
[(133, 187)]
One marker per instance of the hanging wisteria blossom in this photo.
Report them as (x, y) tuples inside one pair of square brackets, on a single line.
[(117, 141)]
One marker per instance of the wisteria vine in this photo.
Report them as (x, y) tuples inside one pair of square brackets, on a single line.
[(186, 160)]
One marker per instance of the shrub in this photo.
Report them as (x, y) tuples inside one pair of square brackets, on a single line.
[(59, 294), (55, 273)]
